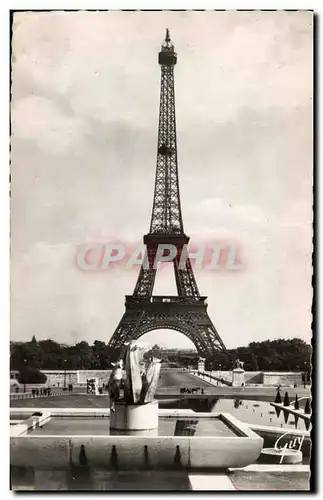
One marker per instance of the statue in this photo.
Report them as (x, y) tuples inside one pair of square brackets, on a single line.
[(239, 364), (141, 375), (114, 383), (238, 374)]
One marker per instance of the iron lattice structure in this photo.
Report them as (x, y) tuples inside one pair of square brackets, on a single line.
[(186, 312)]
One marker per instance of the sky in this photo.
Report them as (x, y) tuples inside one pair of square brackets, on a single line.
[(84, 112)]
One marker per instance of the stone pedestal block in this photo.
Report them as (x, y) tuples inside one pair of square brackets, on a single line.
[(201, 366), (238, 377), (280, 456), (134, 417)]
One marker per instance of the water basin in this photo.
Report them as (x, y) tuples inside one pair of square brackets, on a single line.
[(168, 426), (246, 410)]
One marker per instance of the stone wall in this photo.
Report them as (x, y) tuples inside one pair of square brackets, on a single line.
[(265, 378), (101, 375), (132, 453), (250, 377), (59, 377), (280, 378), (55, 377)]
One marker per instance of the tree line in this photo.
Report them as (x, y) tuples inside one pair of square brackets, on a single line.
[(51, 355), (269, 355)]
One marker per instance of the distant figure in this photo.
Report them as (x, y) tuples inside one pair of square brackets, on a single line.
[(304, 377), (57, 384), (202, 390), (17, 390), (33, 392)]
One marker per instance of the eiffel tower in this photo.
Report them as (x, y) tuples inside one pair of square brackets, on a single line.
[(186, 312)]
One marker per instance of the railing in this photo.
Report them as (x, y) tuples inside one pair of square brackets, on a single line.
[(208, 375), (177, 300), (164, 299), (29, 395)]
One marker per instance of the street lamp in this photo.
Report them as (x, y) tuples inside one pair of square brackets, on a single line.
[(25, 361), (305, 374), (65, 360), (220, 371)]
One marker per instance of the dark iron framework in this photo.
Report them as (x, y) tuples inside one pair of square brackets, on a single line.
[(186, 312)]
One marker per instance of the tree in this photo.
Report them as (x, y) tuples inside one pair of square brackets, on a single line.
[(254, 363), (99, 355), (29, 375), (52, 354), (86, 355)]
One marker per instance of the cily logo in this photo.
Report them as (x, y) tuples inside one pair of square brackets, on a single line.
[(214, 257)]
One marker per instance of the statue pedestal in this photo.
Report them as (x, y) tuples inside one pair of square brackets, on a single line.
[(147, 433), (201, 366), (131, 419), (238, 377), (280, 456)]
